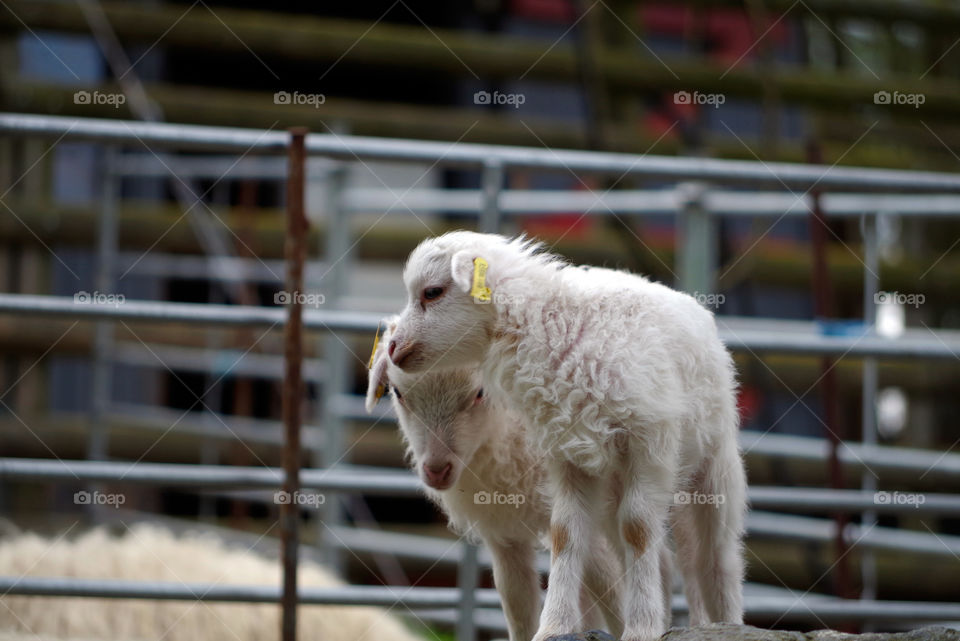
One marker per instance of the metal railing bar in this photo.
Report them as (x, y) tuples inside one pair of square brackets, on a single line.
[(881, 460), (760, 525), (833, 611), (800, 528), (340, 595), (190, 313), (351, 148), (941, 344), (718, 202), (771, 340), (757, 607), (396, 482), (825, 500), (372, 481), (650, 201)]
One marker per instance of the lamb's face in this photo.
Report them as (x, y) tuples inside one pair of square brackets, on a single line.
[(444, 417), (441, 326)]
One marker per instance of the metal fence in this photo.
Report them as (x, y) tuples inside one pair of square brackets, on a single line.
[(696, 202)]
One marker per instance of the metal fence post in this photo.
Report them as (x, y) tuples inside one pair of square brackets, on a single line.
[(468, 573), (468, 569), (336, 356), (871, 282), (696, 249), (295, 251), (492, 186), (104, 284)]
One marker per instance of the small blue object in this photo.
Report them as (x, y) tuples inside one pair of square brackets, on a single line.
[(831, 327)]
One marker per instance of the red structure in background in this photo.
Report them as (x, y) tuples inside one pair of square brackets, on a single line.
[(726, 36)]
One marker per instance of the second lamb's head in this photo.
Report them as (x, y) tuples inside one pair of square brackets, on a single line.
[(444, 415)]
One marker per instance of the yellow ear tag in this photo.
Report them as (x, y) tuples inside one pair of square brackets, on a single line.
[(480, 291), (376, 341)]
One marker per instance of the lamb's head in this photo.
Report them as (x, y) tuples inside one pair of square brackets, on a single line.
[(444, 415), (449, 316)]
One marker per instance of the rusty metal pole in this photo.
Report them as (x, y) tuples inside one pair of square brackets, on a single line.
[(823, 308), (295, 251)]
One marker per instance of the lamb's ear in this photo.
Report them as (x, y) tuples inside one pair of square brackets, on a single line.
[(461, 268), (377, 380), (469, 271)]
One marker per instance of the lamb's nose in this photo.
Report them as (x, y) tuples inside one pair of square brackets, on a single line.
[(400, 353), (437, 474)]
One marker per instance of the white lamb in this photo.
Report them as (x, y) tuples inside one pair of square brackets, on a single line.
[(474, 460), (625, 387)]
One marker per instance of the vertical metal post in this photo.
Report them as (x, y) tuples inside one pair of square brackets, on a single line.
[(295, 251), (835, 432), (492, 186), (696, 256), (468, 573), (468, 568), (871, 285), (336, 356), (107, 238)]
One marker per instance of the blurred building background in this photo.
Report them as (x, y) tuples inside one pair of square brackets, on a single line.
[(872, 83)]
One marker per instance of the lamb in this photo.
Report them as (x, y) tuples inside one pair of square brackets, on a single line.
[(476, 465), (148, 552), (626, 389)]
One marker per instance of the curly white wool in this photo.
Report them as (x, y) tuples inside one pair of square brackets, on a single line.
[(627, 389)]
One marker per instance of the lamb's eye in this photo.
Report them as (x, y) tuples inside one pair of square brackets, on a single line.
[(398, 394), (480, 394), (432, 293)]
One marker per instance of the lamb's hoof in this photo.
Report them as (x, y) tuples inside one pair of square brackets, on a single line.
[(598, 635), (590, 635)]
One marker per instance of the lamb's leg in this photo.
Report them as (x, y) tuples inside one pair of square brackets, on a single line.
[(685, 538), (718, 524), (517, 581), (666, 583), (592, 617), (575, 501), (602, 591), (641, 519)]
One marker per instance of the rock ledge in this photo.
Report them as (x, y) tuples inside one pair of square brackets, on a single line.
[(732, 632)]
